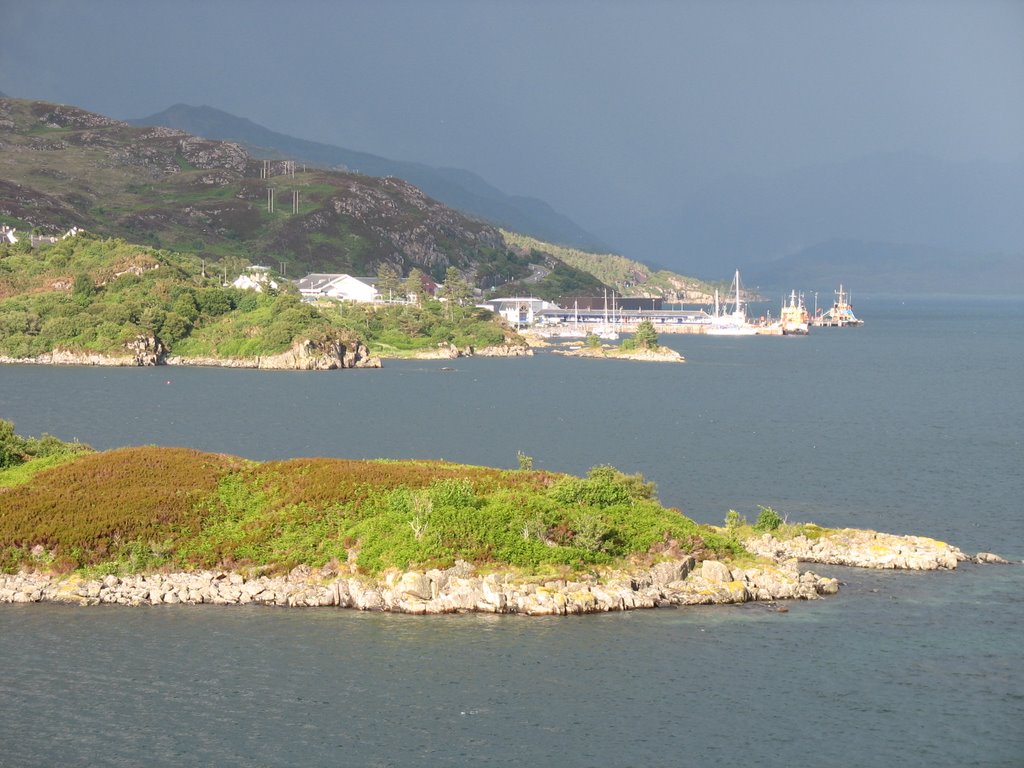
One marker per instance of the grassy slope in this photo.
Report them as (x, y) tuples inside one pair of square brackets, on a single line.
[(627, 277), (136, 183), (146, 508)]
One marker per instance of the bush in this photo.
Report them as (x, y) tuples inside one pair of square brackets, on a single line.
[(645, 336), (768, 520)]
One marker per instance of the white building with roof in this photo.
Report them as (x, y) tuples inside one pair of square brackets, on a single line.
[(518, 311), (340, 287), (255, 279)]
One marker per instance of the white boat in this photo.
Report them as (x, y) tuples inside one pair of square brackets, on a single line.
[(733, 323), (793, 318), (608, 330), (840, 315)]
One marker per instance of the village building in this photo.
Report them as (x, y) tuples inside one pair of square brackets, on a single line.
[(518, 311), (255, 278), (7, 235), (339, 287)]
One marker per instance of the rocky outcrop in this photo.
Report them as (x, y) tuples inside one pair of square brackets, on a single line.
[(861, 548), (304, 355), (659, 355), (140, 351), (502, 350), (446, 351), (453, 590)]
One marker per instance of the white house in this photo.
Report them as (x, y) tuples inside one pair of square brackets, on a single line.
[(340, 287), (255, 279), (7, 235), (518, 311)]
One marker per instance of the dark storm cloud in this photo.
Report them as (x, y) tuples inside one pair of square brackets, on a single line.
[(605, 109)]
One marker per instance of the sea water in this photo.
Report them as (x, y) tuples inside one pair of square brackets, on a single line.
[(913, 423)]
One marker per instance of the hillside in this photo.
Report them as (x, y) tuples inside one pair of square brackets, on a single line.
[(86, 297), (625, 276), (62, 167), (460, 189)]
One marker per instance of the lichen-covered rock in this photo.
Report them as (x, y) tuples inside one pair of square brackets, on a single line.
[(861, 548), (991, 559)]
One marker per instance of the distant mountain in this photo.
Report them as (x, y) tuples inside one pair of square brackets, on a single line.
[(881, 201), (63, 166), (457, 188), (876, 267)]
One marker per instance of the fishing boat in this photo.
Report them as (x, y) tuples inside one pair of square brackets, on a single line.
[(793, 317), (734, 322), (840, 315)]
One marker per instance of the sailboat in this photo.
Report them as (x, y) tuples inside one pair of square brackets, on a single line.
[(574, 331), (607, 331), (732, 323)]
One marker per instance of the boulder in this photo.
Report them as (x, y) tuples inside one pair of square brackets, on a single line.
[(988, 557), (415, 585), (671, 570), (715, 572)]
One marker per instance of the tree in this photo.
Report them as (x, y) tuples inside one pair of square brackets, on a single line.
[(12, 446), (412, 287), (83, 289), (387, 282), (646, 337), (455, 290)]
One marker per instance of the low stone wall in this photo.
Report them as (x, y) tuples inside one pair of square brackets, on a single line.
[(864, 549), (454, 590)]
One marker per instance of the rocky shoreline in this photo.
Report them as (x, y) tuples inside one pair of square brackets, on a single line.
[(452, 352), (659, 355), (459, 589), (867, 549), (462, 589), (304, 355)]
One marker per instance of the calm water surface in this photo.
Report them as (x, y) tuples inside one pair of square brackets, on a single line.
[(913, 423)]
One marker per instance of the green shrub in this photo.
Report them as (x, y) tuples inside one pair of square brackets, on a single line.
[(767, 520)]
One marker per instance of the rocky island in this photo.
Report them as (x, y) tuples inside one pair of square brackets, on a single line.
[(148, 526)]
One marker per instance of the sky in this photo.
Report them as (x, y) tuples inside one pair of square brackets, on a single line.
[(609, 111)]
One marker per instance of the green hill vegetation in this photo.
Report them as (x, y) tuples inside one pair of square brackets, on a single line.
[(84, 294), (63, 166), (143, 509), (625, 276), (91, 295)]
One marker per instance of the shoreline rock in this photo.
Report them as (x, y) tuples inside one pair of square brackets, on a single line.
[(454, 590), (660, 355), (451, 352), (864, 549), (304, 355)]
